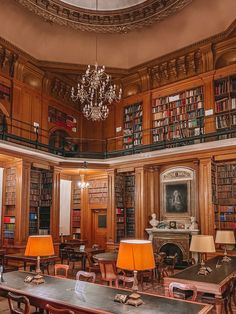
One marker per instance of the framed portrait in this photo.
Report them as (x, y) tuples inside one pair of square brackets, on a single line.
[(177, 198), (177, 189)]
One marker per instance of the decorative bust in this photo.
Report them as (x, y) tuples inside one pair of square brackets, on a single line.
[(154, 222), (194, 224)]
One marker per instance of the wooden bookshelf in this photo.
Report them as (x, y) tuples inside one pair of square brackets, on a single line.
[(225, 195), (9, 211), (125, 205), (35, 184), (76, 211), (98, 191), (178, 116), (40, 201), (225, 103), (133, 125)]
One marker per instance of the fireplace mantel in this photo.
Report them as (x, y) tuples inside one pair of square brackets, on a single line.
[(154, 231), (172, 237)]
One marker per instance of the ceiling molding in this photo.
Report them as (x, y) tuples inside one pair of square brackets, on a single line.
[(118, 21)]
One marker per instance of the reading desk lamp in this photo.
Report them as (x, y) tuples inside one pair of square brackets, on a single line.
[(202, 244), (135, 255), (39, 245), (225, 237)]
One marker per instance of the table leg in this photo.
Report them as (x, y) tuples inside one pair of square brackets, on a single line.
[(84, 262), (219, 303), (25, 266)]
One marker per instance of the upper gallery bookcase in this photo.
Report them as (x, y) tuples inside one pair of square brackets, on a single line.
[(178, 116), (133, 125), (225, 102)]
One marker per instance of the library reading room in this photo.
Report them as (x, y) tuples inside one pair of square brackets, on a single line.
[(118, 156)]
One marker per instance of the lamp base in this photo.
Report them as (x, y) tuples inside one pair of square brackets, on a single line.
[(134, 299), (203, 269), (38, 279), (226, 259)]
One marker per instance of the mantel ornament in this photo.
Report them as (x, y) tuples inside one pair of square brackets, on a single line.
[(154, 222)]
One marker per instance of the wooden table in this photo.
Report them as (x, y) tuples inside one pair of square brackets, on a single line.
[(2, 253), (215, 282), (29, 259), (107, 256), (84, 254), (93, 298)]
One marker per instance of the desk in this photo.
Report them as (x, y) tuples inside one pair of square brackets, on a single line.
[(29, 259), (95, 298), (83, 254), (215, 282), (107, 256)]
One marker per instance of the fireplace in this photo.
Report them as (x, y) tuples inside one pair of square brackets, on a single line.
[(172, 241)]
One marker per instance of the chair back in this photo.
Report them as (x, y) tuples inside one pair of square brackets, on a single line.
[(18, 304), (86, 276), (180, 291), (61, 270), (52, 310), (108, 270)]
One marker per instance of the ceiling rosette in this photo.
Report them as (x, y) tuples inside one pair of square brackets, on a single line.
[(120, 17)]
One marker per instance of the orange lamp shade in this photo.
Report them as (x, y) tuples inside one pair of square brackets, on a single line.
[(40, 245), (135, 255)]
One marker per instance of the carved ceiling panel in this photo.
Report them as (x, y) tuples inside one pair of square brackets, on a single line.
[(136, 15)]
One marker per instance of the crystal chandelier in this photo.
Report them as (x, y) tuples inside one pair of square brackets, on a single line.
[(95, 91), (83, 185)]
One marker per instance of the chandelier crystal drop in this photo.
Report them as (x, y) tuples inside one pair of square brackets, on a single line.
[(95, 91)]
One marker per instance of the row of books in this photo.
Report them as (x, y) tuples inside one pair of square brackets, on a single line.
[(98, 184), (133, 108)]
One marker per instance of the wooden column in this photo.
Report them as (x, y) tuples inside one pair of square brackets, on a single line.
[(206, 210), (141, 206), (85, 224), (111, 223), (55, 209), (22, 202)]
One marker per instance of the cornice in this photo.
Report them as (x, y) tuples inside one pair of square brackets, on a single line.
[(118, 21)]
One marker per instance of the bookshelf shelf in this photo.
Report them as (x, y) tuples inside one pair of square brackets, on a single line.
[(178, 116), (41, 181), (76, 211), (98, 191), (125, 205), (225, 103), (10, 206), (133, 119), (224, 194)]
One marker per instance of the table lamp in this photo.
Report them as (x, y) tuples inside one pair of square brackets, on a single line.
[(39, 245), (202, 244), (225, 237), (135, 255)]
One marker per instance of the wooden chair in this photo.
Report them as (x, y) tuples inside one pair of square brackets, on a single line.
[(61, 270), (52, 310), (108, 272), (92, 265), (183, 291), (18, 300), (74, 257), (125, 280), (86, 276)]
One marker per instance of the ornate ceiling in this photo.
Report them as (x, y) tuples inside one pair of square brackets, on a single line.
[(116, 16)]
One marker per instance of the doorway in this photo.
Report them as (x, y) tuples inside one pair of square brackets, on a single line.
[(99, 227)]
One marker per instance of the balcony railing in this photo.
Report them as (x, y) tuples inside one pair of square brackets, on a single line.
[(27, 135)]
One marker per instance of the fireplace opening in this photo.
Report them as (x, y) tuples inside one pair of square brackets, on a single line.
[(172, 249)]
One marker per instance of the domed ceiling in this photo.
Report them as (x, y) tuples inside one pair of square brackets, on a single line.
[(112, 16)]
